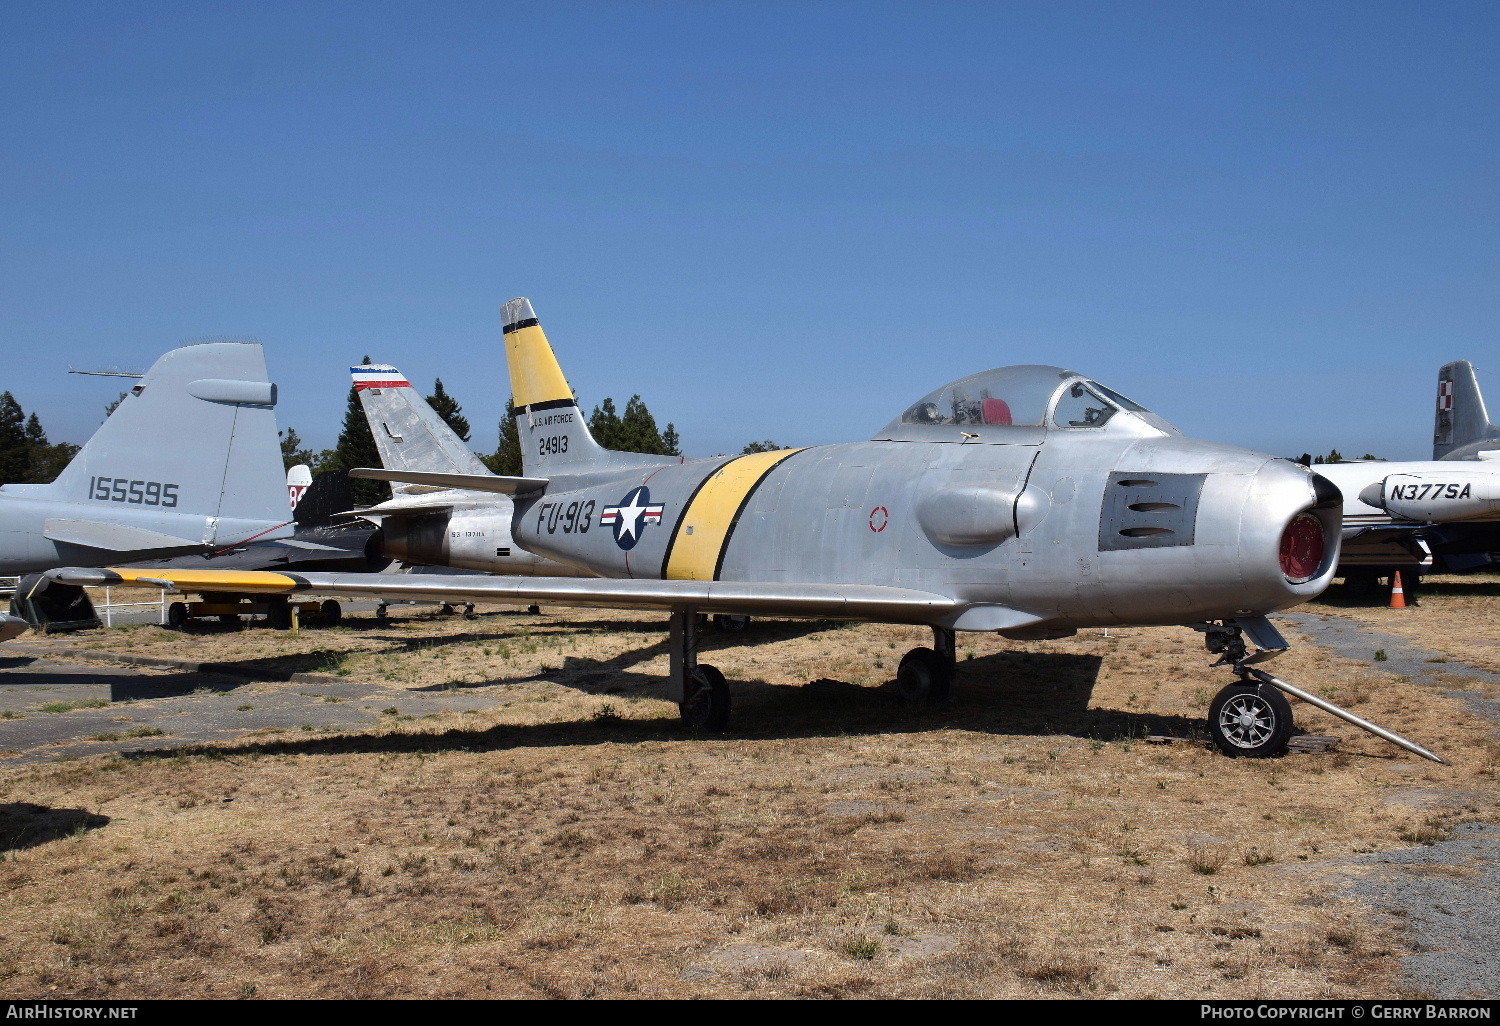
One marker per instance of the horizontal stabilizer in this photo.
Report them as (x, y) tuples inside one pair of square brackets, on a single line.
[(838, 601), (410, 510), (111, 537), (472, 482), (306, 546)]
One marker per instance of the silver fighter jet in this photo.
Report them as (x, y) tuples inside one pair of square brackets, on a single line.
[(1027, 501), (188, 462), (427, 521)]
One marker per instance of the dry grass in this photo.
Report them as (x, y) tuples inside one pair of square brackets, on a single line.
[(571, 841)]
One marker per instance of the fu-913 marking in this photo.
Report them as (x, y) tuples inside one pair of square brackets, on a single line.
[(138, 493)]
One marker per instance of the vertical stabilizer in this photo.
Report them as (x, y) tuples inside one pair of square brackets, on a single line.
[(554, 437), (408, 431), (196, 435), (1462, 426)]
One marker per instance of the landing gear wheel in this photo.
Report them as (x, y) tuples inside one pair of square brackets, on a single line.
[(707, 707), (534, 610), (923, 677), (279, 616), (1251, 721), (730, 623), (330, 612), (177, 615)]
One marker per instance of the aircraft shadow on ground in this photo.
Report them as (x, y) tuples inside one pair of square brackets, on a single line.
[(23, 825), (122, 687), (1340, 597), (612, 676), (1010, 694), (171, 685)]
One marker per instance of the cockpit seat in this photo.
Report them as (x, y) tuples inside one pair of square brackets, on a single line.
[(996, 411)]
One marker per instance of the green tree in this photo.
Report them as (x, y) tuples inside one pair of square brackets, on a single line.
[(15, 454), (670, 441), (46, 460), (604, 424), (447, 407), (112, 407), (638, 432), (506, 460), (635, 431), (1334, 456), (766, 446), (356, 448), (292, 452)]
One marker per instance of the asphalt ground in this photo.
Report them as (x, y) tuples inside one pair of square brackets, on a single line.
[(1447, 895), (54, 707)]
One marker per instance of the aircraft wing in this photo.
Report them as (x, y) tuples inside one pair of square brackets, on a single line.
[(472, 482), (839, 601)]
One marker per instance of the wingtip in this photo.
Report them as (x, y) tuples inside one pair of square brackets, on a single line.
[(517, 314)]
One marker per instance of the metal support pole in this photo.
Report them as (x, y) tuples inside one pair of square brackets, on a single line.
[(1343, 714), (682, 640)]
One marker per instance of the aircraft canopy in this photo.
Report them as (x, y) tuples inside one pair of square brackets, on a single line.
[(1024, 400)]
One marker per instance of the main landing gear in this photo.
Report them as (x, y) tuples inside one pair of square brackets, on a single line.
[(700, 690), (926, 674), (702, 693), (1252, 717)]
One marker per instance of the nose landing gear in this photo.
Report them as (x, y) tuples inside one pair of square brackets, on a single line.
[(1252, 717)]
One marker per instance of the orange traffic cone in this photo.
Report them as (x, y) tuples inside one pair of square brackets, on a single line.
[(1398, 595)]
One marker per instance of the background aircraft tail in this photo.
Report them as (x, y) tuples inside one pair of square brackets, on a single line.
[(196, 435), (555, 439), (1463, 425), (408, 432)]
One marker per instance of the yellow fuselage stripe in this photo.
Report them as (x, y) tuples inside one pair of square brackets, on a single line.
[(214, 580), (535, 376), (704, 529)]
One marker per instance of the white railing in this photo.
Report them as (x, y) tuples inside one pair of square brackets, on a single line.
[(109, 606)]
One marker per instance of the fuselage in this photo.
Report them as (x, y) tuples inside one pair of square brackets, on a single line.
[(473, 532), (1136, 525), (35, 531)]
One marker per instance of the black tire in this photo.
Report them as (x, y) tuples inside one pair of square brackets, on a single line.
[(279, 616), (730, 623), (707, 707), (923, 677), (177, 615), (1250, 721), (330, 612), (534, 610)]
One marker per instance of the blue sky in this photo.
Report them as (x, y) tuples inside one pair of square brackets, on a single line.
[(1270, 222)]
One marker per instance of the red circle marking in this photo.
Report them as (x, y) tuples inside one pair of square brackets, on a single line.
[(879, 517)]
